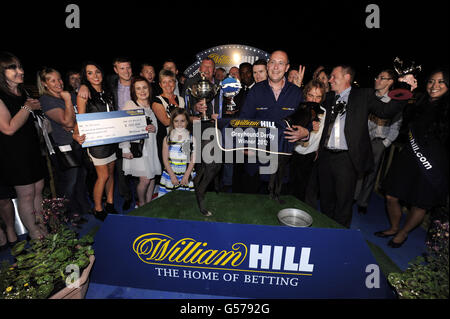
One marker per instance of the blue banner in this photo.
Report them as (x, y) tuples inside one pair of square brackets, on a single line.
[(249, 261)]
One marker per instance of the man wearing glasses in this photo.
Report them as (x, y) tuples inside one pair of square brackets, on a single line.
[(382, 133)]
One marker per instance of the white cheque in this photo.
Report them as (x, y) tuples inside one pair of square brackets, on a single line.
[(112, 127)]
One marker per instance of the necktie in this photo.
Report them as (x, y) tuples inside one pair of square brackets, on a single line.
[(333, 116)]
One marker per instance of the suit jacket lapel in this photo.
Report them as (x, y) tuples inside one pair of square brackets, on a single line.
[(349, 111)]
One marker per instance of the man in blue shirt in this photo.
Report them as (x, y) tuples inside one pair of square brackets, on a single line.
[(273, 100)]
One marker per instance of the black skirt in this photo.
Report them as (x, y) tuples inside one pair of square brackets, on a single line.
[(406, 181), (21, 162)]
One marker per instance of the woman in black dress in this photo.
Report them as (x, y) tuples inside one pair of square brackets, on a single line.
[(419, 174), (21, 163)]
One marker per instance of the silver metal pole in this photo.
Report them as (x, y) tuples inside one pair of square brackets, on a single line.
[(18, 225)]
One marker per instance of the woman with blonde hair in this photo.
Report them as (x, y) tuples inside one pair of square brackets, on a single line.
[(58, 106), (163, 105)]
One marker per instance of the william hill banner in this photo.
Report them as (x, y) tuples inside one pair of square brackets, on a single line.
[(236, 260), (256, 134)]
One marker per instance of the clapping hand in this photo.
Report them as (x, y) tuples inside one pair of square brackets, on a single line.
[(33, 104)]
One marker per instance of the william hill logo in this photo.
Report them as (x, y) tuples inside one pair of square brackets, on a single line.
[(135, 112), (250, 123), (161, 249)]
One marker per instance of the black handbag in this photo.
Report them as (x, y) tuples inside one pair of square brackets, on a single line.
[(66, 159), (136, 148)]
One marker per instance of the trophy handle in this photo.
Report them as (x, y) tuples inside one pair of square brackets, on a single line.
[(204, 116)]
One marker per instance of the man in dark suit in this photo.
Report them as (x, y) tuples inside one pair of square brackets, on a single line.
[(345, 151), (247, 82)]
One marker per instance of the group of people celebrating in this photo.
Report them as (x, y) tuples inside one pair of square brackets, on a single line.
[(335, 158)]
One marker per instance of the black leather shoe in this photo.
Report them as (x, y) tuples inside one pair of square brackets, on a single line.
[(396, 245), (362, 210), (383, 235)]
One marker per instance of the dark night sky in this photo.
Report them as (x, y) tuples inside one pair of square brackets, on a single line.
[(325, 32)]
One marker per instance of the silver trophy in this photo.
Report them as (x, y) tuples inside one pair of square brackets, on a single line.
[(402, 90), (230, 88), (204, 89)]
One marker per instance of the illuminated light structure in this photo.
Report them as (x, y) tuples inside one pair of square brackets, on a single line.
[(227, 56)]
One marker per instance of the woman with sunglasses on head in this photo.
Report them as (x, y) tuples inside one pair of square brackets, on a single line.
[(21, 164), (58, 106)]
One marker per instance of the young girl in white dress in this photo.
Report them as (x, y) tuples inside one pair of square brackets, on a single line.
[(147, 166), (178, 155)]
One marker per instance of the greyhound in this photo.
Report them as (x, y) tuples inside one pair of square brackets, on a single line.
[(303, 116), (207, 172)]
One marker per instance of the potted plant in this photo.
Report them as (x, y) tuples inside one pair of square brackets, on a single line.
[(56, 266), (428, 276)]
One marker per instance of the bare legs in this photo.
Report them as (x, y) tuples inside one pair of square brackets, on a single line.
[(145, 190), (413, 219), (395, 214), (7, 215), (104, 183), (29, 199)]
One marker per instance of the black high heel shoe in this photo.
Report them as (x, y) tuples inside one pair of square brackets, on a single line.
[(101, 215), (109, 208), (392, 244), (382, 234)]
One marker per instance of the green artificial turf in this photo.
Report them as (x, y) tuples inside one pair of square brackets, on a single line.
[(228, 208), (243, 209)]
